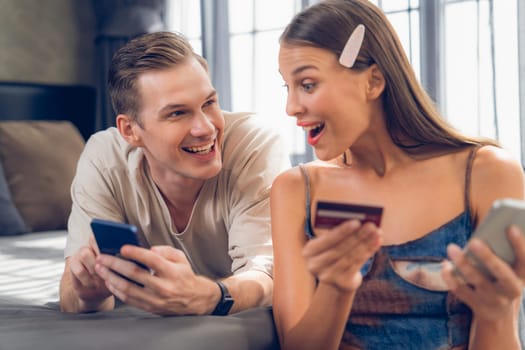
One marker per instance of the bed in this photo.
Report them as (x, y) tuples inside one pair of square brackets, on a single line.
[(31, 266), (31, 263), (30, 270)]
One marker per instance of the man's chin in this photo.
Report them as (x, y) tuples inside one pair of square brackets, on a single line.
[(212, 170)]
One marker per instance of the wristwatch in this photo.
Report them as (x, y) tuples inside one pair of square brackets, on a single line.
[(225, 302)]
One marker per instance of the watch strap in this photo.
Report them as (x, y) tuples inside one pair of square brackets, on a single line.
[(225, 302)]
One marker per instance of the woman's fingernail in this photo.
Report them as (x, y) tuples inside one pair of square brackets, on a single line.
[(354, 224), (514, 231), (475, 243), (453, 251)]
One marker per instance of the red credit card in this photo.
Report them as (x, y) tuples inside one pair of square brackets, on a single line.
[(330, 214)]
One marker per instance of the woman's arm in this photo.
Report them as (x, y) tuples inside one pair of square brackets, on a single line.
[(495, 303), (308, 317)]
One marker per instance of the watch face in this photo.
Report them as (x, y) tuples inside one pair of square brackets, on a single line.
[(226, 306)]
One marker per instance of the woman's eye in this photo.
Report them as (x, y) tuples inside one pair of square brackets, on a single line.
[(308, 87)]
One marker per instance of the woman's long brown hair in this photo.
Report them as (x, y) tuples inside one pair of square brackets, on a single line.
[(412, 119)]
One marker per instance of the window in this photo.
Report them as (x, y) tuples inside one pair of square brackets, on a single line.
[(465, 52), (404, 16), (477, 79), (481, 69), (184, 16), (256, 83)]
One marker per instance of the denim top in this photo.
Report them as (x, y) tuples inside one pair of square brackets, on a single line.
[(402, 302)]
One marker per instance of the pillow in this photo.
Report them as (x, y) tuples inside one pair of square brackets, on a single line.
[(11, 223), (39, 159)]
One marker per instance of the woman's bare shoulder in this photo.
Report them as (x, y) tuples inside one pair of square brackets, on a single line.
[(493, 163), (295, 175), (495, 174), (293, 181)]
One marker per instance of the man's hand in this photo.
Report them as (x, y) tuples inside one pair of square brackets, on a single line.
[(172, 288), (81, 289)]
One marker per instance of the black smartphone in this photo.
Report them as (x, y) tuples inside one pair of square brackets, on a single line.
[(111, 236)]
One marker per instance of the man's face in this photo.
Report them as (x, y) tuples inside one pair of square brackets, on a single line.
[(182, 123)]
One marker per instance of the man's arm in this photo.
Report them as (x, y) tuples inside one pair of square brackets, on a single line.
[(249, 289), (82, 290), (256, 155)]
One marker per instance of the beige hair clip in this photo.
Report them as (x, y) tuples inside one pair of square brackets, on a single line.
[(352, 47)]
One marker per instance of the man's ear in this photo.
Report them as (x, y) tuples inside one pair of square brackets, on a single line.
[(128, 128), (376, 82)]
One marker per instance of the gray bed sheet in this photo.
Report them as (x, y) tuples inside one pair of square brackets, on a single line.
[(30, 270), (31, 266), (25, 327)]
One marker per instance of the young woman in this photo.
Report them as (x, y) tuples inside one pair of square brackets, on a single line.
[(407, 283)]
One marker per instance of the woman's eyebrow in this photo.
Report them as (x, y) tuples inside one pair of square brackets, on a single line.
[(303, 68)]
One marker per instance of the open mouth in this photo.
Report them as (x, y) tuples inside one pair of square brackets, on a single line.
[(204, 149), (314, 130)]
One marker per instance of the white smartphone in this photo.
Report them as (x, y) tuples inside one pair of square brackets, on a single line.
[(493, 229)]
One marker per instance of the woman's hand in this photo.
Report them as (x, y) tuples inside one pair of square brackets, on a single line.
[(336, 256), (489, 286)]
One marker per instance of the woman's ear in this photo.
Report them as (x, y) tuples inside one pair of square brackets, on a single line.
[(128, 128), (376, 82)]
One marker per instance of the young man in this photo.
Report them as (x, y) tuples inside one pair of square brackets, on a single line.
[(193, 179)]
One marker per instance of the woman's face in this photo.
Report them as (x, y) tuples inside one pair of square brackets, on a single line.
[(328, 100)]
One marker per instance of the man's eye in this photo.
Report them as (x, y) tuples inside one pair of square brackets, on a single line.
[(177, 113), (209, 103)]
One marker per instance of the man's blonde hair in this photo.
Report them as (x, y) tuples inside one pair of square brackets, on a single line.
[(148, 52)]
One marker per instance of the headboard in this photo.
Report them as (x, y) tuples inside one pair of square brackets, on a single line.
[(31, 101)]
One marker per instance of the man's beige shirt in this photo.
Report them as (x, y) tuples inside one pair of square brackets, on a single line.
[(229, 229)]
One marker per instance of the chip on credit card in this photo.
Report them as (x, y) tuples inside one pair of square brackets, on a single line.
[(330, 214)]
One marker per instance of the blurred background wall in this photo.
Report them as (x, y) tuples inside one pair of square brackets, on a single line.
[(47, 41)]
